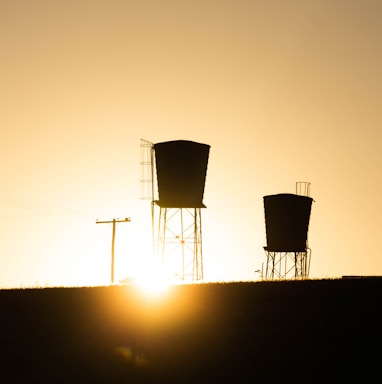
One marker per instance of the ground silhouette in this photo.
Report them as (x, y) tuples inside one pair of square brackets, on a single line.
[(262, 332)]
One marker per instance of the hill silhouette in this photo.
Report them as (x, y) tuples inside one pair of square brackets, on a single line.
[(265, 332)]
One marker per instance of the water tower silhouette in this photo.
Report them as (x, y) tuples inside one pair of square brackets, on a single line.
[(286, 223), (181, 168)]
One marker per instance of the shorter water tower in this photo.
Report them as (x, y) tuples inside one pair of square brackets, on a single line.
[(180, 169), (287, 219)]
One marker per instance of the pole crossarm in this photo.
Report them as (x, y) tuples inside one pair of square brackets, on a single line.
[(126, 219)]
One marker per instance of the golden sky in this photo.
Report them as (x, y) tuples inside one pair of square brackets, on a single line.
[(283, 91)]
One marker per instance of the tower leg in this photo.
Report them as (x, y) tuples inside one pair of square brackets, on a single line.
[(179, 242), (287, 265)]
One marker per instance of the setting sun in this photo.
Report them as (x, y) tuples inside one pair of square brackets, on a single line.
[(155, 280), (152, 284)]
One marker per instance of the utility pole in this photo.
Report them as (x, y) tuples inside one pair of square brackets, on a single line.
[(113, 222)]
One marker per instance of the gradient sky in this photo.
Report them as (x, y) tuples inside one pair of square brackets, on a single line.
[(283, 91)]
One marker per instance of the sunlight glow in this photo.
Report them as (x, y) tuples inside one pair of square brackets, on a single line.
[(153, 286), (153, 282)]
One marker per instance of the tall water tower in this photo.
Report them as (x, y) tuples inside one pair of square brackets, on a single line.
[(180, 169), (286, 223)]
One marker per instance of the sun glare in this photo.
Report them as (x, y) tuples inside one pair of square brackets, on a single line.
[(153, 282), (153, 286)]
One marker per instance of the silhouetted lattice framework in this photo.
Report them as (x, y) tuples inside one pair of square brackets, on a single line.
[(181, 168), (286, 222)]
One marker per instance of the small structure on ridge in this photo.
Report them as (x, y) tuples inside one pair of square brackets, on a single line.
[(287, 219)]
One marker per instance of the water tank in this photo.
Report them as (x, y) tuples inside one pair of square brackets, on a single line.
[(181, 168), (286, 222)]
